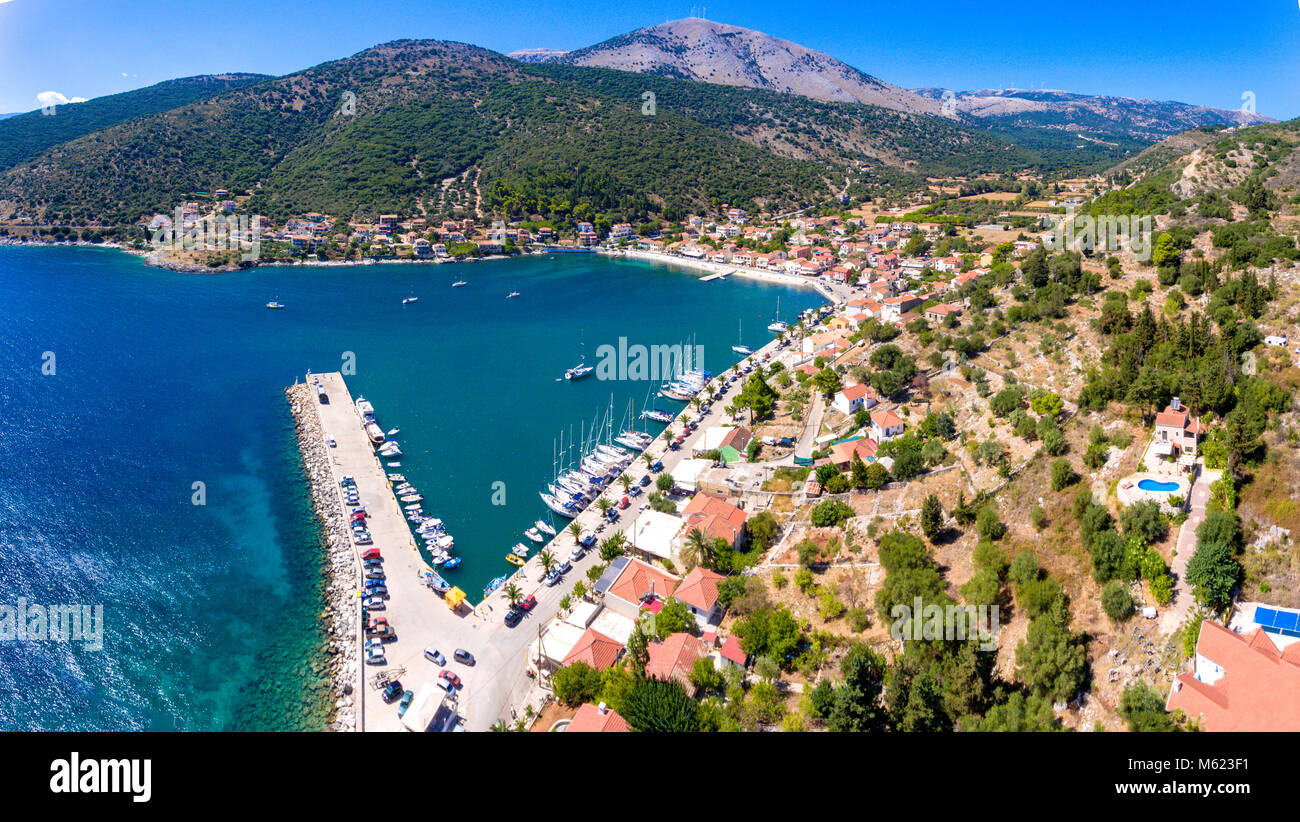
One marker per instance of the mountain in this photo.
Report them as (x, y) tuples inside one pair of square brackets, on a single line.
[(697, 49), (433, 126), (537, 55), (1147, 120), (26, 135), (10, 114)]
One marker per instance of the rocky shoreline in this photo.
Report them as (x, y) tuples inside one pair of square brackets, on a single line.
[(341, 615)]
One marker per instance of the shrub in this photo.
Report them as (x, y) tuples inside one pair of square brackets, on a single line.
[(1116, 602)]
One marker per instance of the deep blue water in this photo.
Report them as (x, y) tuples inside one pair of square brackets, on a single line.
[(162, 380)]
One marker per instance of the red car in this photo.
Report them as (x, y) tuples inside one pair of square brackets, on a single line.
[(529, 603), (625, 502), (451, 678), (371, 553)]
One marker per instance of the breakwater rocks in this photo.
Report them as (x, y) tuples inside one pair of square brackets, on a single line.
[(342, 615)]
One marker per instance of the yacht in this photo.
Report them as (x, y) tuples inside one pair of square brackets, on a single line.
[(275, 304), (776, 326), (544, 527), (534, 535), (579, 371), (739, 347), (512, 294), (409, 300), (657, 415), (376, 435), (459, 283), (565, 509)]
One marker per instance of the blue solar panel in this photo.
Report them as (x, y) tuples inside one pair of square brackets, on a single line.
[(1287, 621)]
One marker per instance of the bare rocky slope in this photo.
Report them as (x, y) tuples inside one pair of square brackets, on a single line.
[(697, 49)]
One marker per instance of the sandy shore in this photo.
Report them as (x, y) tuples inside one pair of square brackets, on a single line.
[(731, 269)]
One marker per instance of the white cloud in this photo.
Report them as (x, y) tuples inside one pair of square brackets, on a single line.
[(53, 98)]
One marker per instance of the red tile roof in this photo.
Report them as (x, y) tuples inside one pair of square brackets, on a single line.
[(595, 649), (589, 719), (714, 516), (637, 580), (673, 658), (699, 588), (1257, 691), (885, 418), (731, 651)]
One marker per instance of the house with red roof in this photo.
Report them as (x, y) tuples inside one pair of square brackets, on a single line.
[(593, 719), (673, 659), (940, 312), (635, 586), (732, 653), (855, 398), (1240, 682), (885, 424), (842, 453), (596, 650), (1177, 431), (716, 517), (699, 591)]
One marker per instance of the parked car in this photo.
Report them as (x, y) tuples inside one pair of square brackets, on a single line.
[(634, 491), (529, 602), (374, 573), (462, 656), (564, 568), (657, 467), (513, 616), (576, 554), (407, 699), (392, 690), (645, 480), (373, 603), (435, 656), (553, 578), (450, 677), (375, 656), (588, 540), (624, 502), (371, 554)]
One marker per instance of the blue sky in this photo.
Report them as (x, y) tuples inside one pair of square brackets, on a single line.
[(1194, 51)]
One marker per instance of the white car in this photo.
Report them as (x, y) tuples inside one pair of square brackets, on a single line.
[(375, 656), (435, 656)]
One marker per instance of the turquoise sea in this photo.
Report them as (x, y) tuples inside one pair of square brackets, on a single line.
[(162, 380)]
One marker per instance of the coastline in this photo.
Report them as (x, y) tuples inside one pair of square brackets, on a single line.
[(730, 269), (340, 615)]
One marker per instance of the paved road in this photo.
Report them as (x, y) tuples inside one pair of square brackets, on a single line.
[(1176, 613)]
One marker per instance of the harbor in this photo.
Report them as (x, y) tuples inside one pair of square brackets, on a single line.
[(390, 624)]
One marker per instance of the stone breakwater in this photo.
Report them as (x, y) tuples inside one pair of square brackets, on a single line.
[(341, 615)]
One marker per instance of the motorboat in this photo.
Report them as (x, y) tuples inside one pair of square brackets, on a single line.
[(578, 371), (459, 283), (534, 535), (392, 432), (451, 563), (492, 586), (544, 527), (390, 449), (396, 478), (657, 415), (374, 433), (514, 559), (436, 582), (520, 549), (409, 300), (365, 409), (512, 295), (412, 498), (275, 304)]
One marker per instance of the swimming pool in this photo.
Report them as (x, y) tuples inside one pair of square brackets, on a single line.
[(1156, 485)]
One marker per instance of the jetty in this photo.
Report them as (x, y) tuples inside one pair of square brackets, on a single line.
[(720, 275)]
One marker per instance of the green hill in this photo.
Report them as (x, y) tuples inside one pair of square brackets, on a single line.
[(547, 140), (23, 136)]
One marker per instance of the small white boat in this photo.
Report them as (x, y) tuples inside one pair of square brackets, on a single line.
[(544, 527), (578, 371), (512, 294), (412, 498), (409, 300), (459, 283), (520, 549), (534, 535), (275, 304), (393, 432)]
